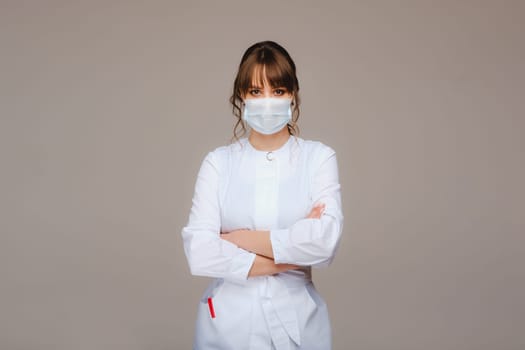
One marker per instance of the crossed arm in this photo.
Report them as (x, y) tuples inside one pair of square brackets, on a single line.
[(258, 242), (238, 254)]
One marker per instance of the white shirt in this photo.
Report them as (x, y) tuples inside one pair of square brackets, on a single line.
[(239, 187)]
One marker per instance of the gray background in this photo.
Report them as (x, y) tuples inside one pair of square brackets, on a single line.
[(107, 109)]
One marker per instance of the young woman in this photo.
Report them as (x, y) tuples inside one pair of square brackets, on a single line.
[(266, 209)]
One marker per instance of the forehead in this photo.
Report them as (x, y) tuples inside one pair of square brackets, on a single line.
[(259, 77), (269, 75)]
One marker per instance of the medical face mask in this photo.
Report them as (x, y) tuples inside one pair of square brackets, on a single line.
[(267, 115)]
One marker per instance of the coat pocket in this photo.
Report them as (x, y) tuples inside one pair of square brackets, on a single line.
[(310, 306), (211, 292)]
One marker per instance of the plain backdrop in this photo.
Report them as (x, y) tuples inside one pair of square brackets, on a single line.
[(108, 108)]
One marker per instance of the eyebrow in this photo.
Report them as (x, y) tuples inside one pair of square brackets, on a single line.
[(273, 88)]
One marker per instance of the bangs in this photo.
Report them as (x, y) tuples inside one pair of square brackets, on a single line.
[(266, 68), (272, 74)]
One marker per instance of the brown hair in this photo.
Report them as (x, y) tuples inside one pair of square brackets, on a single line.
[(262, 61)]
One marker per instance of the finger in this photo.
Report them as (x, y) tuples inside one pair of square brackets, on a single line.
[(313, 213), (316, 212), (320, 210)]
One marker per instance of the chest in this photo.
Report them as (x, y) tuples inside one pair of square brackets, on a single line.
[(262, 194)]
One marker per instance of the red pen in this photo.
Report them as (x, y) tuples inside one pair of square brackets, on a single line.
[(210, 305)]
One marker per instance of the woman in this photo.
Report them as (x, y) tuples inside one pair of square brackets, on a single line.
[(266, 208)]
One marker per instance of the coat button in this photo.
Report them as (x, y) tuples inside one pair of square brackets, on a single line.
[(269, 156)]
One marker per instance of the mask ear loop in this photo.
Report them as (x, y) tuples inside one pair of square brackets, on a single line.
[(243, 105), (292, 123)]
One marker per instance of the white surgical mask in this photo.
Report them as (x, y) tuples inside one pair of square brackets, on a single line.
[(267, 115)]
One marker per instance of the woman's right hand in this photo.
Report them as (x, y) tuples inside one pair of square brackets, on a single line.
[(316, 211), (266, 266)]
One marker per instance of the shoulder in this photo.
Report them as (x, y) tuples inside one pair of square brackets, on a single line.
[(226, 150), (316, 150), (220, 155), (321, 160)]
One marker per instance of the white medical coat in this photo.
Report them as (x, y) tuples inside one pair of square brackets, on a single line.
[(239, 187)]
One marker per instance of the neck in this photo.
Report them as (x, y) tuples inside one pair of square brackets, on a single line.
[(271, 142)]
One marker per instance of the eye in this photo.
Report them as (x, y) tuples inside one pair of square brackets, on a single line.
[(255, 92), (279, 92)]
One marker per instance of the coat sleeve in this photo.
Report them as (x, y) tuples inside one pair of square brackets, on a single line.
[(208, 254), (313, 242)]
